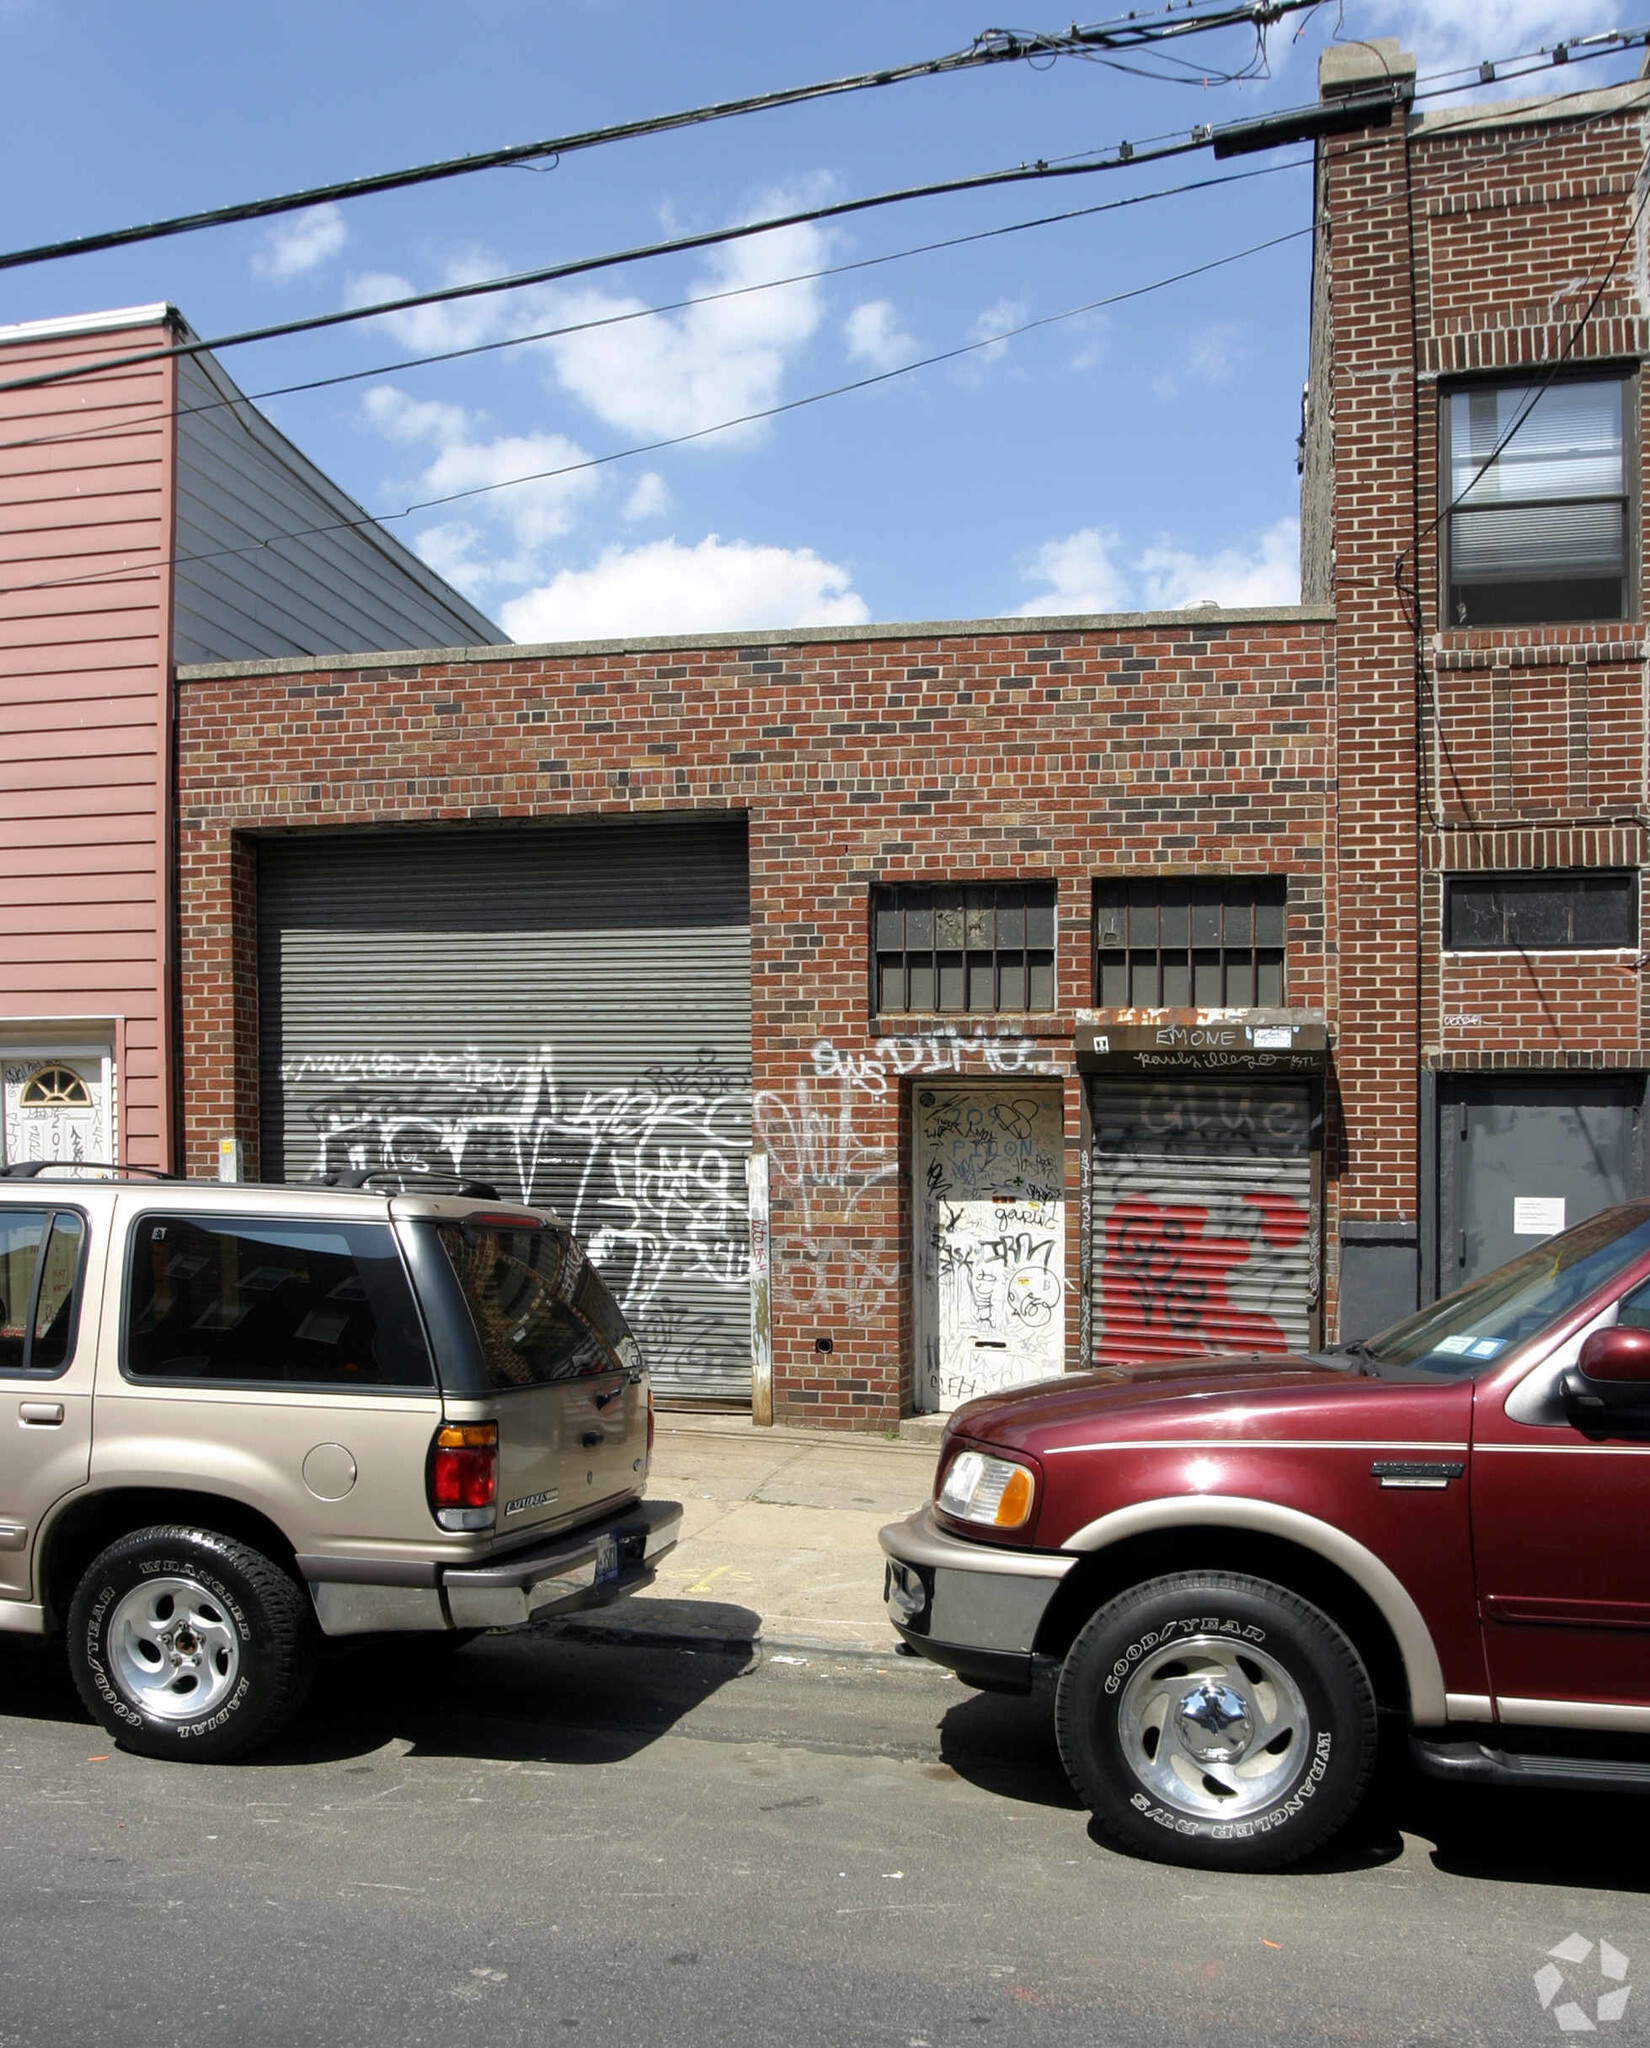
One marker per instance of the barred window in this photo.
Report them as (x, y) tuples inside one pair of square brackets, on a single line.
[(1537, 502), (987, 946), (1207, 945), (1529, 912)]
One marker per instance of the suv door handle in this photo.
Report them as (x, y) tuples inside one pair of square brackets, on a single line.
[(40, 1412)]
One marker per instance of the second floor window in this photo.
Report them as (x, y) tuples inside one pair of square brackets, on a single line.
[(1210, 945), (984, 946), (1537, 485)]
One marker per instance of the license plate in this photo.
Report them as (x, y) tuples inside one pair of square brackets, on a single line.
[(607, 1560)]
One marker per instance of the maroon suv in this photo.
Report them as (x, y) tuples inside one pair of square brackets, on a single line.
[(1233, 1567)]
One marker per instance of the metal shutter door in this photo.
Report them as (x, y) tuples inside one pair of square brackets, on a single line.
[(1204, 1235), (562, 1010)]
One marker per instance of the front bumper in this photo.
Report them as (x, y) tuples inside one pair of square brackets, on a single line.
[(974, 1607), (567, 1572)]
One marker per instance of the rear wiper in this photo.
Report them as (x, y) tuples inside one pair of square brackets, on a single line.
[(1363, 1354)]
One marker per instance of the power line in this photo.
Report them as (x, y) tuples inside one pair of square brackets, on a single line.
[(678, 440), (994, 46), (434, 356)]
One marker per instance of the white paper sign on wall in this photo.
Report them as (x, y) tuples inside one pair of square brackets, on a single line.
[(1538, 1215)]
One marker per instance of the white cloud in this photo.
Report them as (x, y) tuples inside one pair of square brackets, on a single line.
[(524, 518), (455, 323), (301, 243), (1000, 315), (664, 587), (875, 336), (716, 360), (1211, 355), (1089, 571), (649, 497)]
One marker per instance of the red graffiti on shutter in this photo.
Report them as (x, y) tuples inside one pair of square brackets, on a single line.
[(1164, 1282)]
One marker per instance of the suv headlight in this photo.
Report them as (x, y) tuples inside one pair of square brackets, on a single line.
[(998, 1492)]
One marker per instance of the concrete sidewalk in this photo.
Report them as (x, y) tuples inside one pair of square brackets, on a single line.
[(779, 1539)]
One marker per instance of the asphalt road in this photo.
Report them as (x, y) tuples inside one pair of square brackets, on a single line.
[(533, 1841)]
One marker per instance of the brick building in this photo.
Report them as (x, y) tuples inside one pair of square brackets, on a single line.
[(1472, 508), (905, 1012)]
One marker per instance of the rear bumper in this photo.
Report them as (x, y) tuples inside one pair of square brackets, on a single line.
[(973, 1607), (588, 1567)]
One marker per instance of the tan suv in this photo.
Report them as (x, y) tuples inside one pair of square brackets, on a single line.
[(249, 1417)]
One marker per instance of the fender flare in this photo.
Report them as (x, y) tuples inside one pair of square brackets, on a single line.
[(1422, 1671)]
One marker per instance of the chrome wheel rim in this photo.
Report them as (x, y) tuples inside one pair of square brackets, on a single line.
[(174, 1648), (1215, 1729)]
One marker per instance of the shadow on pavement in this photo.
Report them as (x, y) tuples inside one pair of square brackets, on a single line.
[(523, 1696)]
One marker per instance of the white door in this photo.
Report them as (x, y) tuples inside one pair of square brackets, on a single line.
[(991, 1240), (57, 1106)]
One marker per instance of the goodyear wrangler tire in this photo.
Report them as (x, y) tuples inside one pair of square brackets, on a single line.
[(1216, 1720), (187, 1644)]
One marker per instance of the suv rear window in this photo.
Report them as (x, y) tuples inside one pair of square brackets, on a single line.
[(541, 1310), (272, 1302)]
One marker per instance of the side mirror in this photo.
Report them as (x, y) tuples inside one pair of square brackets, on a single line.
[(1610, 1381)]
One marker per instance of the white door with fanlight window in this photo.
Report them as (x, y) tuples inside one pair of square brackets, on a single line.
[(991, 1239), (58, 1105)]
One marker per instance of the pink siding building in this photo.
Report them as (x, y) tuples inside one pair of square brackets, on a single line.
[(148, 515)]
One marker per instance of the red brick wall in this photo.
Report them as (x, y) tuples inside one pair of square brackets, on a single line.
[(1059, 755)]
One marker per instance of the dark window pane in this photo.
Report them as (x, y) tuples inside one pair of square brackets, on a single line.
[(1206, 913), (951, 980), (1143, 917), (919, 925), (891, 982), (1143, 982), (963, 948), (948, 926), (1269, 981), (1540, 911), (982, 991), (1240, 983), (272, 1302), (1040, 974), (541, 1310), (1177, 981), (54, 1314), (1239, 924), (1114, 982), (1011, 981), (1040, 919), (21, 1232), (924, 990), (1011, 921), (1175, 915), (1108, 918), (888, 938), (1207, 988), (981, 922)]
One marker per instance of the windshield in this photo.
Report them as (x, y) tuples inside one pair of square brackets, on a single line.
[(541, 1310), (1482, 1321)]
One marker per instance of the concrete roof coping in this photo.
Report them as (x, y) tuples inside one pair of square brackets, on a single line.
[(1633, 97), (111, 322), (1352, 66), (779, 636)]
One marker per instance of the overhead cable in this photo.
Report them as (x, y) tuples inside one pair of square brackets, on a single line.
[(994, 46)]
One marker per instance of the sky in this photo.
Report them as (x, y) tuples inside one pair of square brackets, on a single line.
[(1139, 454)]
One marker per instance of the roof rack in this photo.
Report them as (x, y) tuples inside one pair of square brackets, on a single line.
[(31, 1169), (367, 1176)]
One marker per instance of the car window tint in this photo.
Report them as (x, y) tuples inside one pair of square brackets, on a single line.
[(21, 1234), (541, 1310), (1634, 1312), (308, 1304), (54, 1312)]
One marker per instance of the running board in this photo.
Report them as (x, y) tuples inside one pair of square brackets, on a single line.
[(1476, 1763)]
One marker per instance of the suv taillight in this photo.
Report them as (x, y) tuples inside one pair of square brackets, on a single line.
[(464, 1475)]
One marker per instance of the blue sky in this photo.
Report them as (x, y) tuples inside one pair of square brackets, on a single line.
[(1135, 457)]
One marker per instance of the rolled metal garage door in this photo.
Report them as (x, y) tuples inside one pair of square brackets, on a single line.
[(562, 1010), (1204, 1233)]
